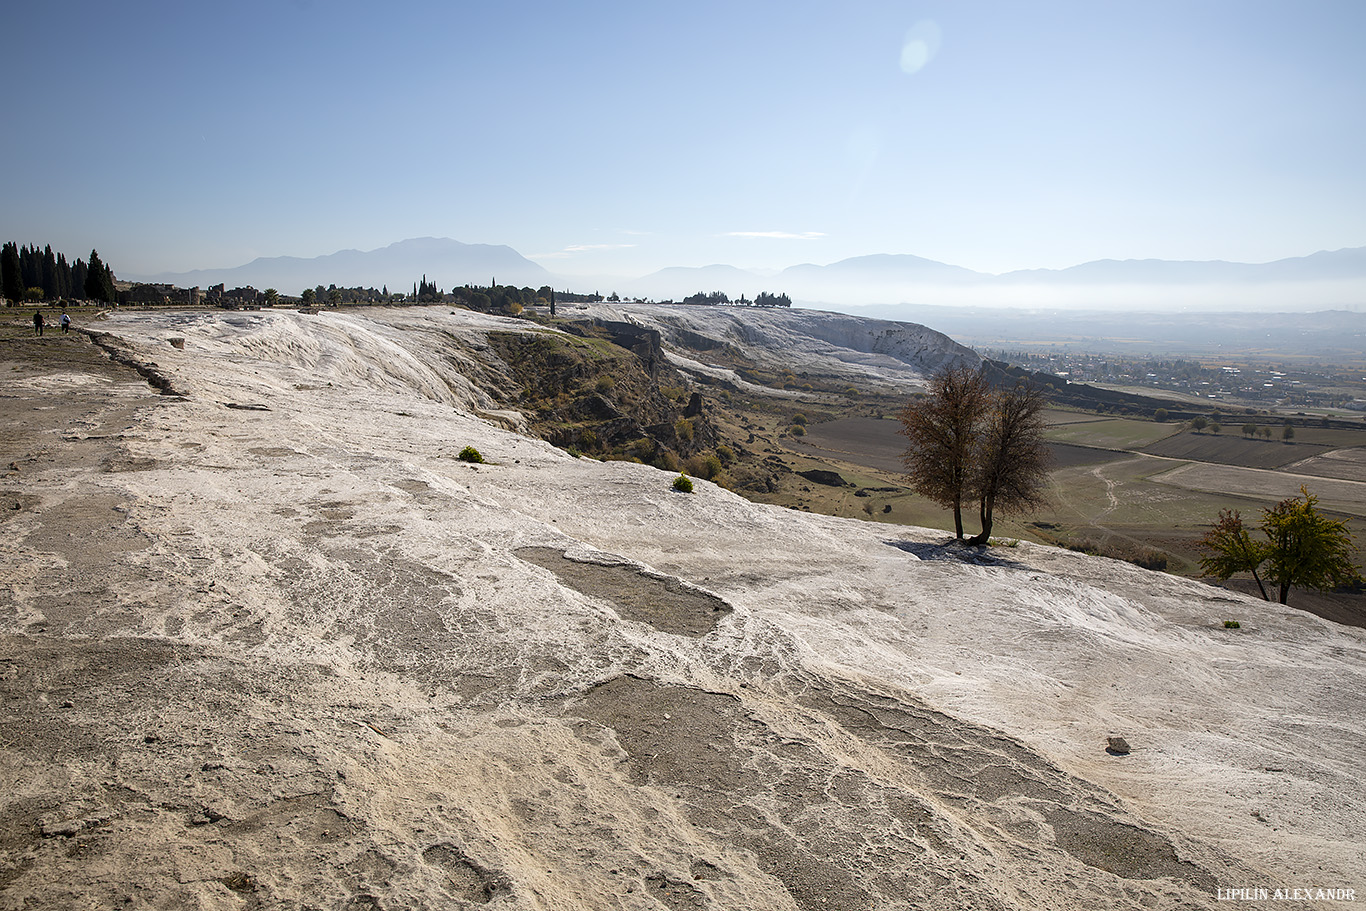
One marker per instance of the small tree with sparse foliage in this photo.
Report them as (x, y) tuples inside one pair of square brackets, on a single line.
[(969, 441), (1307, 548), (1231, 550), (1013, 457), (1302, 548), (942, 429)]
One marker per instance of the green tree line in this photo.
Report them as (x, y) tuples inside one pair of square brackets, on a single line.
[(27, 273)]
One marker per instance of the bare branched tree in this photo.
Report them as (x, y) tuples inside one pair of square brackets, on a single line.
[(1012, 459), (942, 429)]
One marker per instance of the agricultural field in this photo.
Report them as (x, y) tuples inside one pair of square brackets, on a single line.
[(1065, 455), (875, 443), (1109, 433), (1057, 417), (1227, 449), (867, 441), (1345, 497), (1131, 489), (1326, 436), (1346, 464)]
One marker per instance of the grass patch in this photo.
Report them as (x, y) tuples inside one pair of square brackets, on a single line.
[(1111, 433)]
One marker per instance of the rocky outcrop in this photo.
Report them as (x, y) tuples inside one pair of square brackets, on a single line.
[(831, 346)]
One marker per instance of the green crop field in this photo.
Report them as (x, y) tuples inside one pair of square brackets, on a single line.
[(1057, 417), (1111, 433)]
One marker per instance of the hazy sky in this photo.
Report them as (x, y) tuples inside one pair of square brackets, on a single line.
[(620, 137)]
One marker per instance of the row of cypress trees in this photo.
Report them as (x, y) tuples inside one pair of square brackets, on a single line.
[(27, 273)]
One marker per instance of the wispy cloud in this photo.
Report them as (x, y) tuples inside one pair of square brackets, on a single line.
[(777, 235), (575, 249)]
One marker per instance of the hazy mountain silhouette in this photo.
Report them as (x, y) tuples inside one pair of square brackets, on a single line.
[(1325, 280), (1322, 266), (446, 262), (885, 266)]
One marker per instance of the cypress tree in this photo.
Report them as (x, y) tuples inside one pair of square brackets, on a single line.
[(79, 273), (63, 276), (51, 283), (99, 281), (11, 273), (32, 267)]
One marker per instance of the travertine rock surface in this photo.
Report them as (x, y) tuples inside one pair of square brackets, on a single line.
[(270, 644)]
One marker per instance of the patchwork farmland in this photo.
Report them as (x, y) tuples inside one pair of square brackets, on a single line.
[(1133, 489)]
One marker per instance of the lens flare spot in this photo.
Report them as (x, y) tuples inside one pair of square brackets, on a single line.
[(919, 46)]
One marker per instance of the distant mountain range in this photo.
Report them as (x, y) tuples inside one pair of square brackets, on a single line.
[(1324, 280), (448, 263)]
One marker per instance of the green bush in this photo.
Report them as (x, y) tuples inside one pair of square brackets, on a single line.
[(799, 418), (683, 484), (704, 466), (470, 454), (725, 454), (1232, 624), (683, 430), (798, 430)]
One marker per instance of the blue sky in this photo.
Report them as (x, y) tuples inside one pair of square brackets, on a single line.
[(618, 138)]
